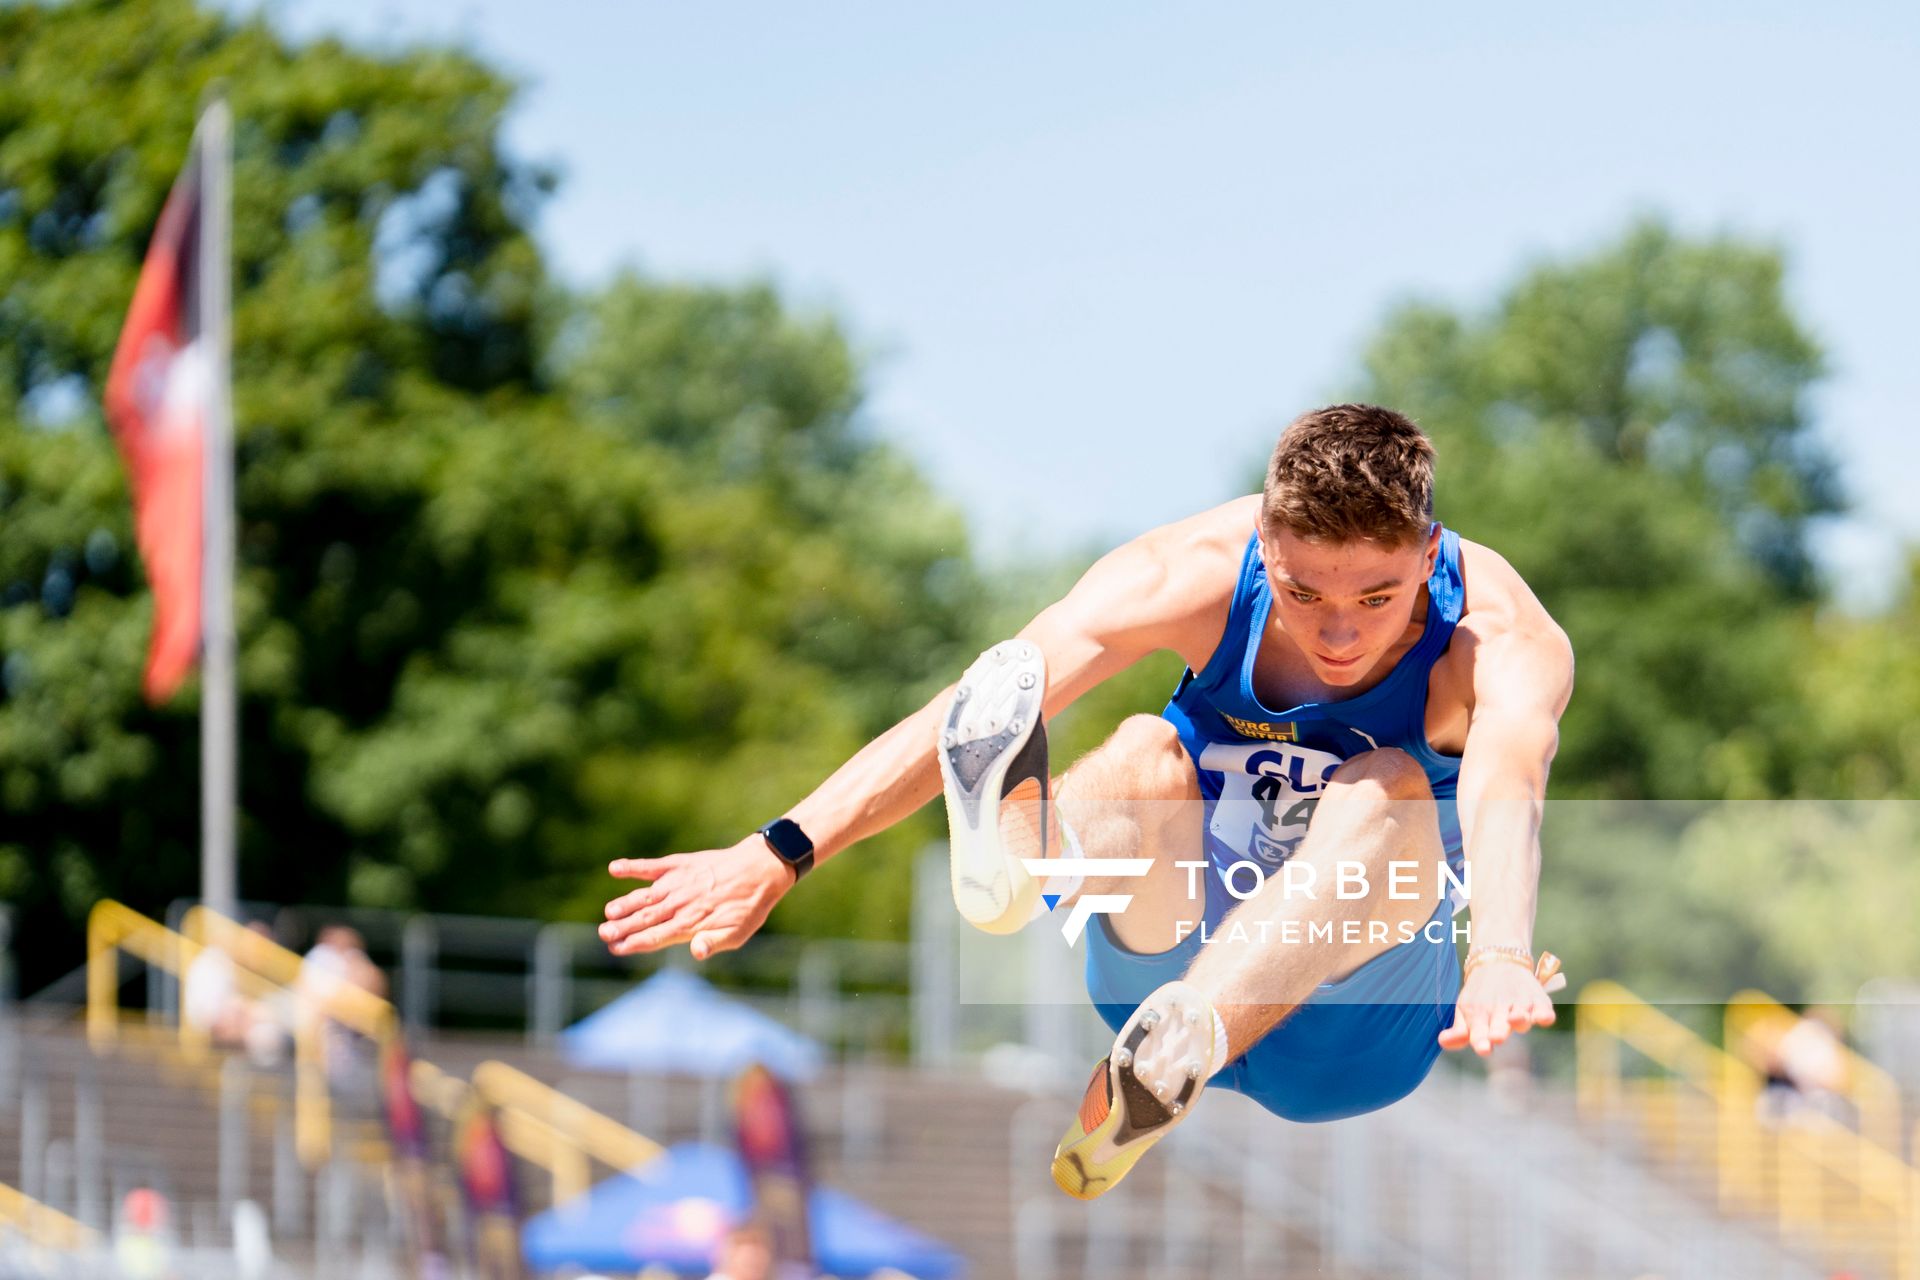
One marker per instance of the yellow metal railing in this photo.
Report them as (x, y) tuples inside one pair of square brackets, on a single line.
[(1756, 1019), (1841, 1193), (566, 1130), (537, 1122), (112, 928), (261, 967), (359, 1011), (42, 1225)]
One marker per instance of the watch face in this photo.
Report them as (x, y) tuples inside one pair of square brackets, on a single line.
[(787, 839)]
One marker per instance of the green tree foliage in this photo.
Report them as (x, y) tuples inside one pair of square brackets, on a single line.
[(527, 581), (1630, 429), (1863, 676), (823, 590)]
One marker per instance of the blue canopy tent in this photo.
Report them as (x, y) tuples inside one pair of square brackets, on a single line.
[(672, 1211), (675, 1023)]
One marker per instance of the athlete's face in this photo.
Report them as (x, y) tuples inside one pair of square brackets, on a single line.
[(1344, 604)]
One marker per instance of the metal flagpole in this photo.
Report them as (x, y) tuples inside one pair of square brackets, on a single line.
[(219, 792)]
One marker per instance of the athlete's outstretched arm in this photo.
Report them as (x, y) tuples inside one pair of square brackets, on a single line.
[(1131, 603), (1522, 679)]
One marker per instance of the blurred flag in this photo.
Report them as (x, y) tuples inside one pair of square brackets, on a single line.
[(493, 1202), (773, 1147), (410, 1171), (159, 395)]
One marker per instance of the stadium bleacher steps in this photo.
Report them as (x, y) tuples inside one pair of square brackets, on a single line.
[(1411, 1192)]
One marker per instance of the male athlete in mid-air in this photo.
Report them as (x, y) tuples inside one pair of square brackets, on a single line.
[(1369, 710)]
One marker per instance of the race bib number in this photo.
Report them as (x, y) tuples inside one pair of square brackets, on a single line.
[(1268, 793)]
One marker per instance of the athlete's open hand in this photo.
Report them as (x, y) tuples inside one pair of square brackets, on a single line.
[(713, 901), (1496, 1001)]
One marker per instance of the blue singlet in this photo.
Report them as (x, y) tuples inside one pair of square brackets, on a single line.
[(1367, 1040)]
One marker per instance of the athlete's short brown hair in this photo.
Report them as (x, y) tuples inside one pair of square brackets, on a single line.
[(1351, 472)]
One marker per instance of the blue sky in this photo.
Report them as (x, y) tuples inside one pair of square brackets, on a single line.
[(1097, 254)]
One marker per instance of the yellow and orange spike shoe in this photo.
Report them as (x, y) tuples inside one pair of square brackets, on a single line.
[(1160, 1063), (993, 771)]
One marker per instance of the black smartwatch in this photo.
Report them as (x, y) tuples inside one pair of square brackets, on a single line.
[(790, 844)]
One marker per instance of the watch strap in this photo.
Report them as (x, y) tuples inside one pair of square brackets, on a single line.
[(790, 844)]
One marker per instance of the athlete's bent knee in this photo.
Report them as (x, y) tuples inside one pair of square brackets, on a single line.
[(1145, 733), (1395, 772), (1152, 748)]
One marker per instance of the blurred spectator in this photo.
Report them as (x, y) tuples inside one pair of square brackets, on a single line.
[(337, 963), (745, 1253), (211, 1002), (252, 1242), (143, 1236), (339, 959), (1805, 1068)]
